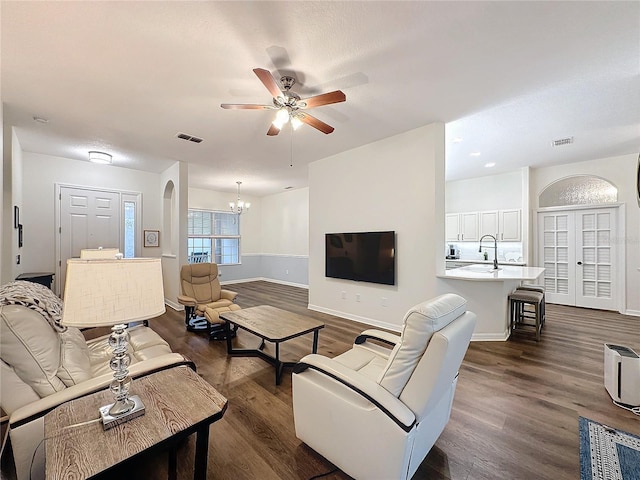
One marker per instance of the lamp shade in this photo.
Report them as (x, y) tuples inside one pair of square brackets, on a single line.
[(96, 253), (110, 292)]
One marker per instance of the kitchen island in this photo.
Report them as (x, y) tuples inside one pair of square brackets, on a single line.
[(486, 291)]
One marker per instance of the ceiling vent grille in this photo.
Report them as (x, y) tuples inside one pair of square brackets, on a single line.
[(562, 141), (191, 138)]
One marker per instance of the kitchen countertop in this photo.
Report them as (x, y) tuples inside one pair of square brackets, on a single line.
[(484, 272), (488, 262)]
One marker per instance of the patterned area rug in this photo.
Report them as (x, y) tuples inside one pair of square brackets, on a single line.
[(607, 453)]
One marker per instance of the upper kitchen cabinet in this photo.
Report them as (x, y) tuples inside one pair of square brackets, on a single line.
[(505, 225), (462, 227), (510, 225)]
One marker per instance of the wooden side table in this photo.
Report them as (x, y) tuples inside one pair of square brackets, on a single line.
[(178, 402)]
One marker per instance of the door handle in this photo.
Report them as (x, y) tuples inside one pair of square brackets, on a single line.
[(579, 263)]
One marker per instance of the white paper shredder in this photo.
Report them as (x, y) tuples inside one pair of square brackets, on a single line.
[(622, 374)]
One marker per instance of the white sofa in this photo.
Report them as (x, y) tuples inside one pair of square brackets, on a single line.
[(376, 411), (42, 368)]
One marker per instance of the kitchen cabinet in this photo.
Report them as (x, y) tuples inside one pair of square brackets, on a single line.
[(510, 225), (452, 227), (505, 225), (461, 227)]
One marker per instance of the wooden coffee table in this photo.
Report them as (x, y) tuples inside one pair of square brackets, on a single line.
[(274, 325)]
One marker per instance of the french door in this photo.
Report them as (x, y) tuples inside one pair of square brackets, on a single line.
[(578, 251)]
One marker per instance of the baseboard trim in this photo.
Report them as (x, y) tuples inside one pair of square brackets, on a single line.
[(356, 318), (176, 306), (633, 313), (264, 279), (489, 337)]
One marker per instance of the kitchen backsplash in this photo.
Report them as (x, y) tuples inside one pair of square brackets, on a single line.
[(507, 251)]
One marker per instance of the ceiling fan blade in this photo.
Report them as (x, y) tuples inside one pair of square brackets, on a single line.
[(247, 106), (267, 79), (315, 123), (273, 130), (324, 99)]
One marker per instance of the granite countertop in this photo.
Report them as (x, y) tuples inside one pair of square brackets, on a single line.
[(483, 272)]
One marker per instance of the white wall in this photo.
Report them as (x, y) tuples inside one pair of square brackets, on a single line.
[(285, 223), (11, 196), (493, 192), (393, 184), (3, 204), (176, 221), (621, 171), (42, 172), (17, 190)]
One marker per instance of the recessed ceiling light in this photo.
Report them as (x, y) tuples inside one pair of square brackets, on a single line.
[(475, 154), (456, 139), (490, 164), (41, 119)]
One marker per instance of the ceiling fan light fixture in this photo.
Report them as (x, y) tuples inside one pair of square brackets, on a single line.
[(282, 117), (295, 122), (100, 157)]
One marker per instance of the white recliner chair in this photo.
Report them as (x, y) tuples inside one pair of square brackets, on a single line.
[(375, 411)]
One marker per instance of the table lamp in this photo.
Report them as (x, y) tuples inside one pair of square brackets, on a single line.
[(97, 253), (114, 292)]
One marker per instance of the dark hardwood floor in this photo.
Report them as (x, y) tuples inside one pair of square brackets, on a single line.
[(515, 413)]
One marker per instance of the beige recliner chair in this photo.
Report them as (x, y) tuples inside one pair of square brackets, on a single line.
[(374, 411), (204, 299), (42, 368)]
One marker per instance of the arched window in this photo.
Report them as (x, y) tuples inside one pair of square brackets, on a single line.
[(578, 190)]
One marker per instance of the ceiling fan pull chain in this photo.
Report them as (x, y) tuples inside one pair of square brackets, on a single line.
[(291, 149)]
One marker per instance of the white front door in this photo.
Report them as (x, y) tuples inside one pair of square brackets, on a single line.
[(88, 219), (579, 257)]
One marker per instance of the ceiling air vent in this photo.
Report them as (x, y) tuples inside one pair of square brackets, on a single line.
[(562, 141), (190, 138)]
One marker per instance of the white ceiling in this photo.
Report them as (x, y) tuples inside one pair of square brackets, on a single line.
[(506, 77)]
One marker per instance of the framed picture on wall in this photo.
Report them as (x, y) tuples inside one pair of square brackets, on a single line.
[(152, 238), (16, 216)]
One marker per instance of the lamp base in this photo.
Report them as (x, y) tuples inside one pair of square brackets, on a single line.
[(110, 421)]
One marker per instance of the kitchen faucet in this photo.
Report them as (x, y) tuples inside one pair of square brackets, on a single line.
[(495, 250)]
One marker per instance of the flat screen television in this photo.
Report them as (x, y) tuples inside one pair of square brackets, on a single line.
[(361, 256)]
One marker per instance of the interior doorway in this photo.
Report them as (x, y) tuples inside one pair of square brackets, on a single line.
[(87, 217)]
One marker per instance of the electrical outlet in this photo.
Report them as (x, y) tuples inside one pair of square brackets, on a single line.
[(343, 295), (286, 272), (357, 297), (384, 301)]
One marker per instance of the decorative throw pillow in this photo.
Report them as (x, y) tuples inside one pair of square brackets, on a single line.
[(74, 358)]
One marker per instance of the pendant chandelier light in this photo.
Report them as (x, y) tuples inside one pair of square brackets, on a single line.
[(239, 206)]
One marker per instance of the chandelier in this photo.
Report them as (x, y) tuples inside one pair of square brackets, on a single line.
[(239, 206)]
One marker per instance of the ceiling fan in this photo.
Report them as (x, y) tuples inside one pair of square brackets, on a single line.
[(289, 105)]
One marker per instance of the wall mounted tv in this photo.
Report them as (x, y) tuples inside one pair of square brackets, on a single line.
[(362, 256)]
